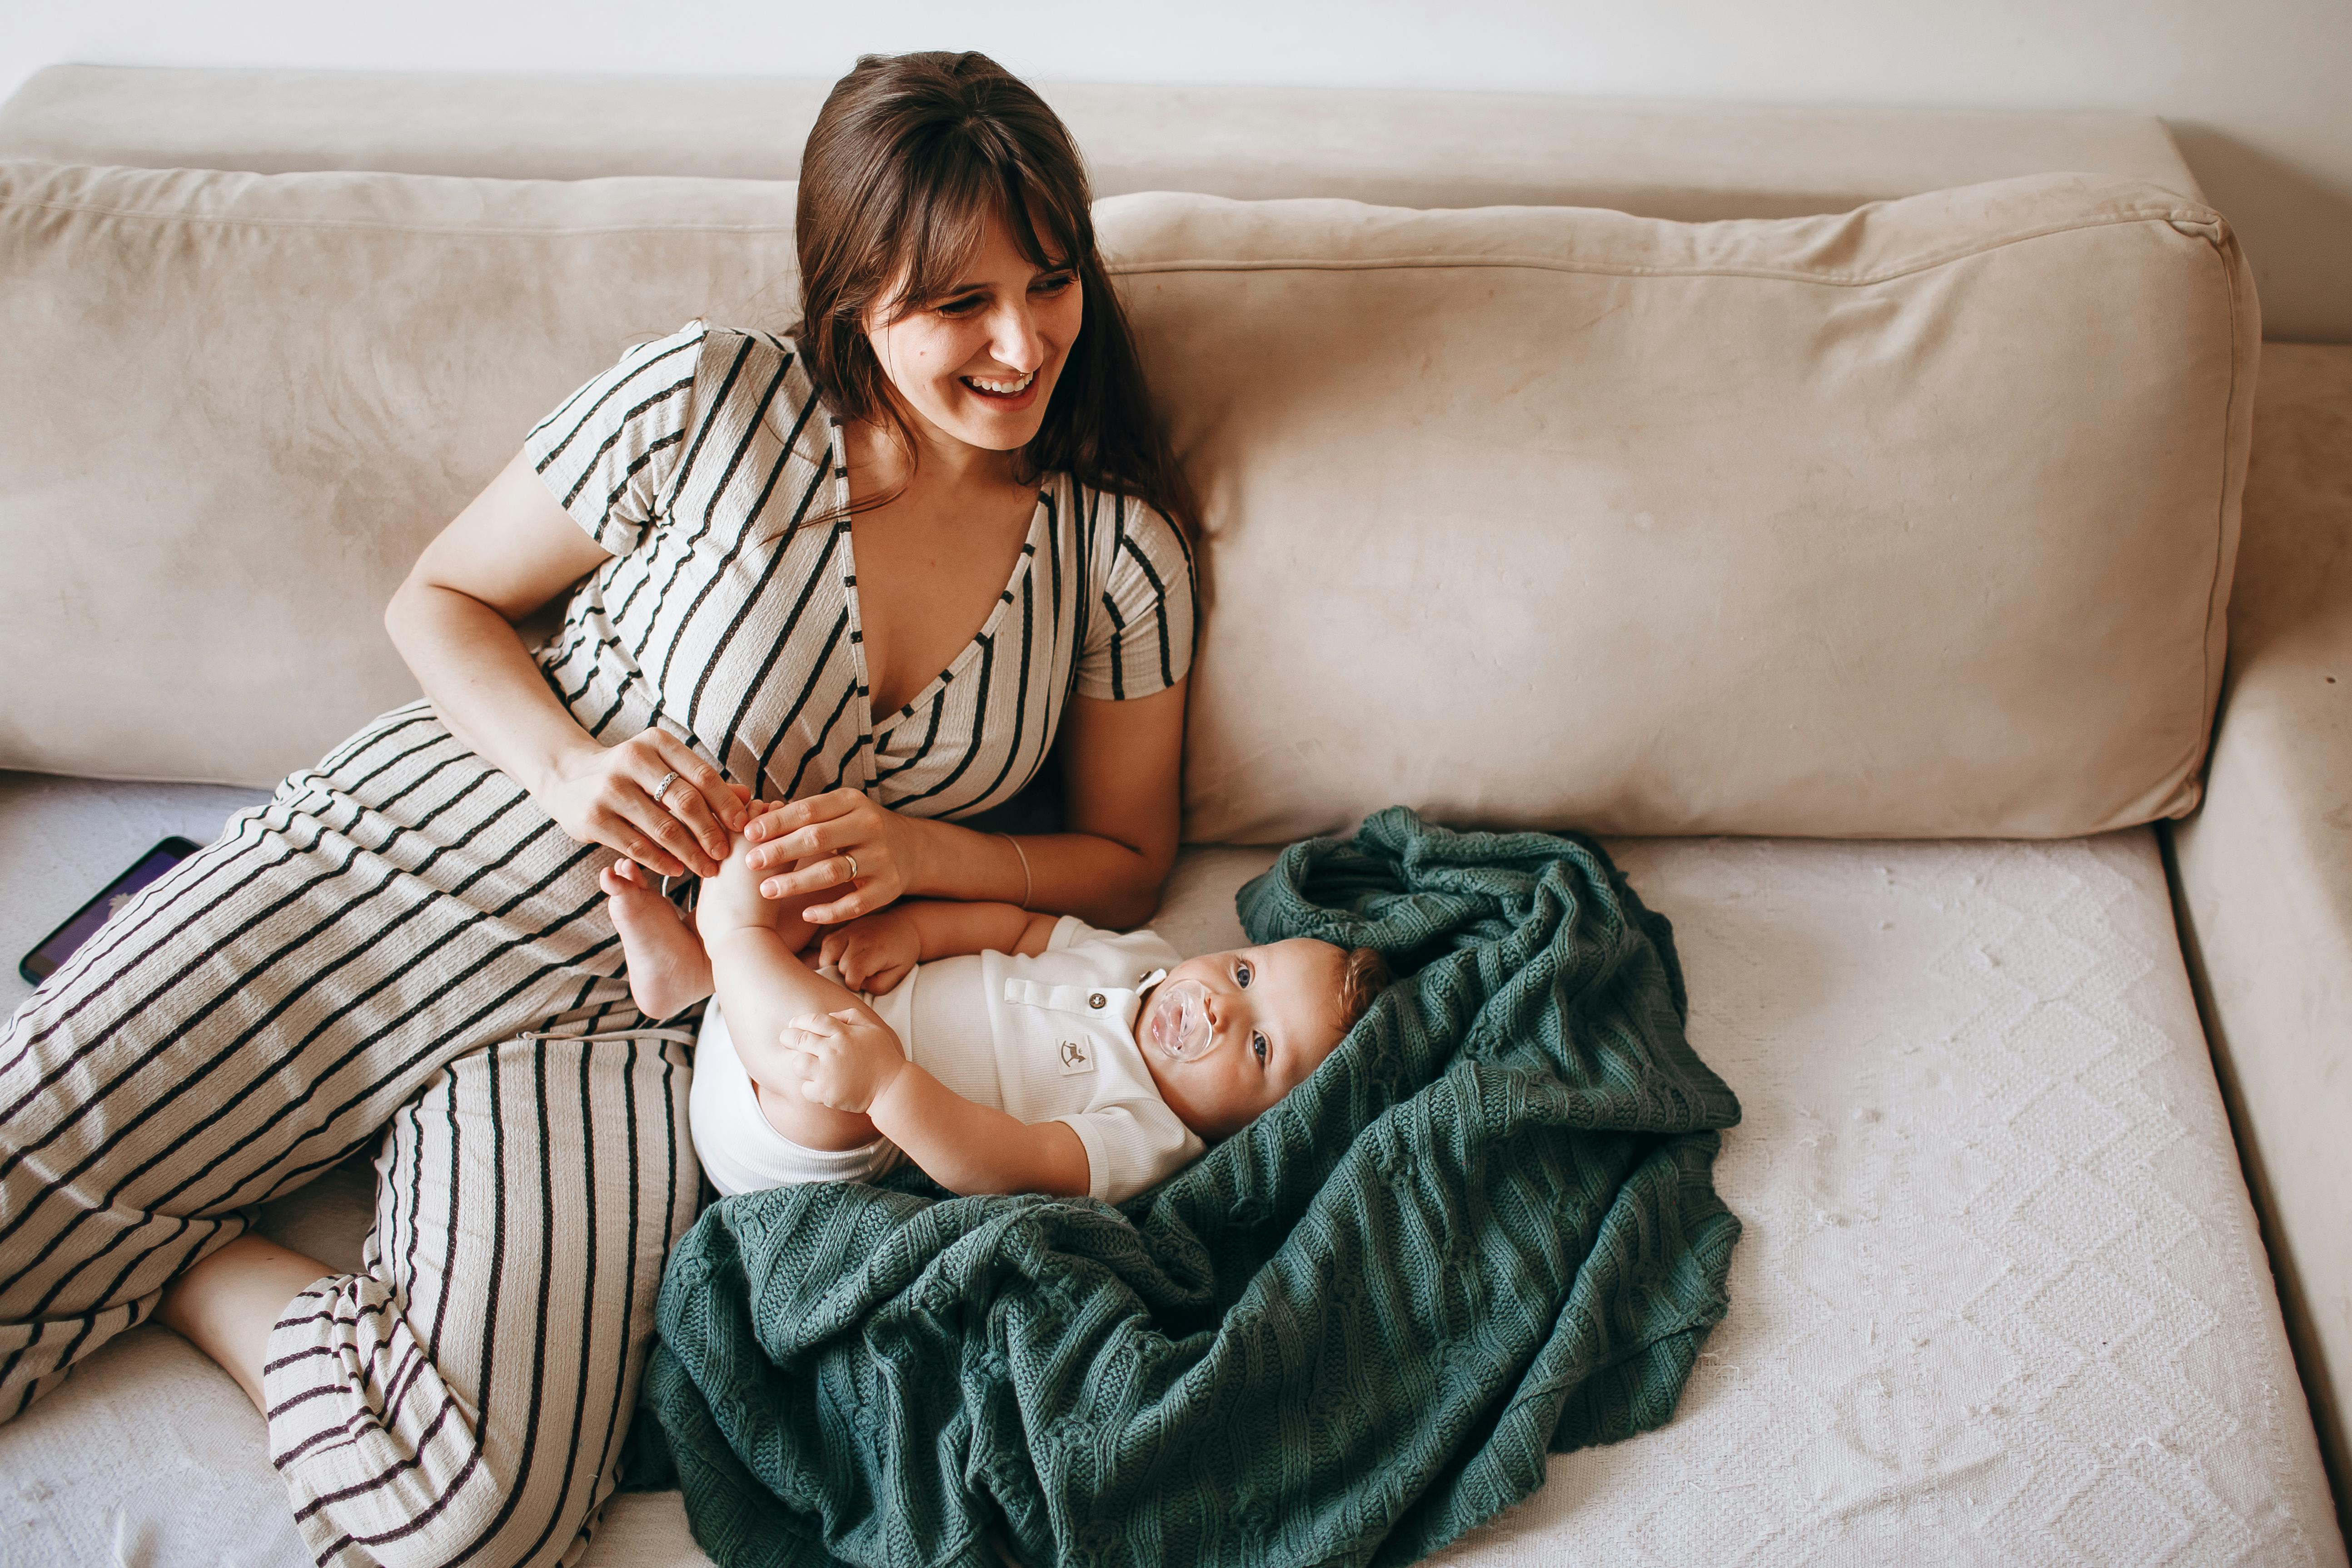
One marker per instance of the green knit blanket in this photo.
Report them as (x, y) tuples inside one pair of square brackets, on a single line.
[(1483, 1230)]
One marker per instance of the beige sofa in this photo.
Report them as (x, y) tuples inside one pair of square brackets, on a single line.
[(1865, 578)]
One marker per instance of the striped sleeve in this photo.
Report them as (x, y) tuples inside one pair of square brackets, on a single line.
[(1141, 641), (609, 452)]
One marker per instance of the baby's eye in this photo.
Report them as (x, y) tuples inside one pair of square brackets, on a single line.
[(1258, 1045), (1241, 973)]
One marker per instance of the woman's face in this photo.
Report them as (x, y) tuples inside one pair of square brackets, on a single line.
[(978, 363)]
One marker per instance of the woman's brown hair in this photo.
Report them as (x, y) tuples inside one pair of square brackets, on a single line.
[(910, 160)]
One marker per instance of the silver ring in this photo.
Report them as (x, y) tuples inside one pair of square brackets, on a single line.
[(662, 788), (853, 863)]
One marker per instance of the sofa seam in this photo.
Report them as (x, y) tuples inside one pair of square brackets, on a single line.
[(1147, 268), (363, 226), (1548, 264), (2209, 698), (2191, 766)]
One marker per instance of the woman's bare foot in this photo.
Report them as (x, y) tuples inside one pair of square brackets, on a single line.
[(669, 970)]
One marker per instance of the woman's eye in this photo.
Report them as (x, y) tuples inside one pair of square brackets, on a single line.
[(1241, 973), (1257, 1044), (1054, 283), (960, 306)]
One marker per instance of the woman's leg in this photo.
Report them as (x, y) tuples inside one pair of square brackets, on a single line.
[(228, 1304), (463, 1396), (266, 1009)]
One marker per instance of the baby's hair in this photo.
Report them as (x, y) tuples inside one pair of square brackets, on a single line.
[(1362, 976)]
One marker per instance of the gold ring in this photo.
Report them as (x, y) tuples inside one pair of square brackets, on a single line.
[(853, 864)]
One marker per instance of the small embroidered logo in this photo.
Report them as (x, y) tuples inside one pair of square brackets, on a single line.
[(1074, 1058)]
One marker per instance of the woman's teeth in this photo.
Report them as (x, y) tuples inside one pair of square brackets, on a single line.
[(1000, 388)]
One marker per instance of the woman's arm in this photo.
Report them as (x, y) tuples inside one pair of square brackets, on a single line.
[(1121, 763), (510, 552)]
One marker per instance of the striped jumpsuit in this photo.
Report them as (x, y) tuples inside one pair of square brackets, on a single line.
[(401, 950)]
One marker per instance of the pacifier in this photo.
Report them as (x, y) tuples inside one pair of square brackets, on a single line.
[(1180, 1020)]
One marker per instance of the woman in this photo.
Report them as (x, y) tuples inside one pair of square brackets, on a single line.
[(876, 571)]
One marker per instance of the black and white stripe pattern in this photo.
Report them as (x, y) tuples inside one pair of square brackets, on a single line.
[(401, 946), (729, 614), (398, 937), (413, 1411)]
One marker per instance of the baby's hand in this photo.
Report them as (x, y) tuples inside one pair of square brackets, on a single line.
[(874, 952), (844, 1061)]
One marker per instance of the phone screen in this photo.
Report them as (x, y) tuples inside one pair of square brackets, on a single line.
[(58, 946)]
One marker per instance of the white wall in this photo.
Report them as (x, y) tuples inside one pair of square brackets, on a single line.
[(2259, 92)]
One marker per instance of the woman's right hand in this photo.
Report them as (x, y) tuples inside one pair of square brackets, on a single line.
[(604, 795), (510, 553)]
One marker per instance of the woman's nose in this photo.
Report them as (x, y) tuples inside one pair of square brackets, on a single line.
[(1014, 339)]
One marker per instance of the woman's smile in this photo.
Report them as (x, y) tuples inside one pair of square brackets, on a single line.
[(1007, 393)]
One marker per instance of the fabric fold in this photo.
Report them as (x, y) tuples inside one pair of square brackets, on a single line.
[(1483, 1231)]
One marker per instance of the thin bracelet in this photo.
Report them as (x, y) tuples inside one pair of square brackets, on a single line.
[(1027, 887)]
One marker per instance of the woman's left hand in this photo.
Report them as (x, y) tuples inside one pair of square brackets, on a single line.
[(838, 839)]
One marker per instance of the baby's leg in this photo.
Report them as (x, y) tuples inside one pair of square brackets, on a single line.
[(669, 970), (762, 987)]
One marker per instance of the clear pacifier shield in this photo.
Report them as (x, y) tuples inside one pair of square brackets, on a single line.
[(1180, 1020)]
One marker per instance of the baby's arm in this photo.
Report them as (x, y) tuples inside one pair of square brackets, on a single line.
[(876, 951), (950, 929), (966, 1147)]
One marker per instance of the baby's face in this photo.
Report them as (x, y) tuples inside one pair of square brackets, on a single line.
[(1273, 1015)]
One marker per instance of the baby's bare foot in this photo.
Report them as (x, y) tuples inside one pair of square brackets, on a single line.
[(668, 969)]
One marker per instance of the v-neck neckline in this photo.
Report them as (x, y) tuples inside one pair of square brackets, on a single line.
[(846, 559)]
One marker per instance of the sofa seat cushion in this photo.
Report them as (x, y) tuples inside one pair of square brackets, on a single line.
[(2264, 866), (62, 839), (2000, 1287)]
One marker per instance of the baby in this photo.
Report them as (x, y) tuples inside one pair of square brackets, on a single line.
[(1000, 1051)]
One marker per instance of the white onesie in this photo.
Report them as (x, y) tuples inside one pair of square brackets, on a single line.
[(1049, 1038)]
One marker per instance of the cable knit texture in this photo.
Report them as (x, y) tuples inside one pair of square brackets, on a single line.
[(1484, 1229)]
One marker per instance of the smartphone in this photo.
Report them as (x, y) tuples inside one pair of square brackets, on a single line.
[(50, 954)]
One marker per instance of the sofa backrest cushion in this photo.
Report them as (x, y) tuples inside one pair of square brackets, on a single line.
[(1910, 522), (240, 405), (1916, 520)]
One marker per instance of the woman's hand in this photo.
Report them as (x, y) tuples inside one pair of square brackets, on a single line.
[(838, 839), (874, 952), (607, 794)]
